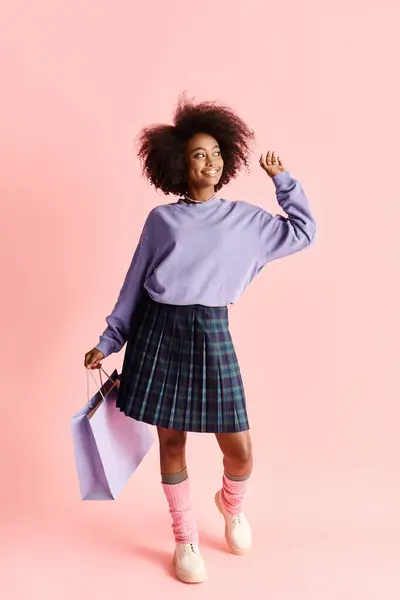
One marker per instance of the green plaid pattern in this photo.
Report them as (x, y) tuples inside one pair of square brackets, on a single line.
[(181, 370)]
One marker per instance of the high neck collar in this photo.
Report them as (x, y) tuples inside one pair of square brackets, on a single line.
[(198, 205)]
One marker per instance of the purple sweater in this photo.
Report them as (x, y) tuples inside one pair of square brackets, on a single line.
[(208, 253)]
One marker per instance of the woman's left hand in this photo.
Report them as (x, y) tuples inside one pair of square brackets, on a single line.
[(271, 164)]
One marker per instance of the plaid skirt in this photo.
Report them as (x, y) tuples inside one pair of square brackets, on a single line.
[(181, 370)]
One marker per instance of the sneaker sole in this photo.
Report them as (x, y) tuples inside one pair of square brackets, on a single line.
[(233, 549), (188, 577)]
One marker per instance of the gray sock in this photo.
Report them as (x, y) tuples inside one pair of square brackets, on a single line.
[(237, 477), (174, 478)]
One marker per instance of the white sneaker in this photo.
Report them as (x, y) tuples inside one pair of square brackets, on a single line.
[(189, 564), (237, 529)]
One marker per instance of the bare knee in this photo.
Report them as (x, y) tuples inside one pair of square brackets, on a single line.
[(172, 443), (237, 451), (241, 457)]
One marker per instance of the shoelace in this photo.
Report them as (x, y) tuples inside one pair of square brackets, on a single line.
[(188, 549), (237, 519)]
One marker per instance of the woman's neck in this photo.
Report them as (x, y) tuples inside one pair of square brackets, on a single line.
[(201, 195)]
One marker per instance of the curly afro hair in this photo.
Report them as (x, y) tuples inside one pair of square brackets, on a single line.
[(162, 147)]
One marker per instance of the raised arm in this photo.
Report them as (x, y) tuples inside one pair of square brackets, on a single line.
[(281, 236)]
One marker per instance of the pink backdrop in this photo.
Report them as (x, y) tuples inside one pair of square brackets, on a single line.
[(318, 83)]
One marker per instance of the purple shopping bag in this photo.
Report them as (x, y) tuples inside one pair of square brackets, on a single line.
[(109, 446)]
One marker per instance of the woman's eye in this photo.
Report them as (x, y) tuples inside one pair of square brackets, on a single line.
[(202, 155)]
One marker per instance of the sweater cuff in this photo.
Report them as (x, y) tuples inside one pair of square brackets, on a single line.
[(105, 346), (282, 178)]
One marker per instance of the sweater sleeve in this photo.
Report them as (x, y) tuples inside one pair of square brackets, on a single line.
[(281, 236), (119, 321)]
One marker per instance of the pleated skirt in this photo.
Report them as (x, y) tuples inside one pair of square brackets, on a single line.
[(181, 371)]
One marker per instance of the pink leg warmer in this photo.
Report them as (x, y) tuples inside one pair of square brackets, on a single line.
[(184, 523), (233, 493)]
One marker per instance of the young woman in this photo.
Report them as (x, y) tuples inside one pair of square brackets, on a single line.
[(196, 256)]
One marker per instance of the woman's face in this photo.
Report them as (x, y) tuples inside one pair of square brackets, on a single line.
[(204, 162)]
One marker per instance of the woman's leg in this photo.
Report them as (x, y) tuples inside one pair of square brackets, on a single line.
[(189, 564), (238, 465), (238, 455), (175, 483), (172, 451)]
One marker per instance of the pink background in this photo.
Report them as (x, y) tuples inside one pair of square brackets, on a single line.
[(316, 334)]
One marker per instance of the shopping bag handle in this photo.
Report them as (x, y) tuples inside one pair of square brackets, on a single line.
[(106, 374), (96, 384)]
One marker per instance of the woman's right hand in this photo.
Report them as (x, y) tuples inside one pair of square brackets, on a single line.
[(93, 359)]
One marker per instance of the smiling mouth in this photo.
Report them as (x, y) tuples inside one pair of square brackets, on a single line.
[(211, 172)]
